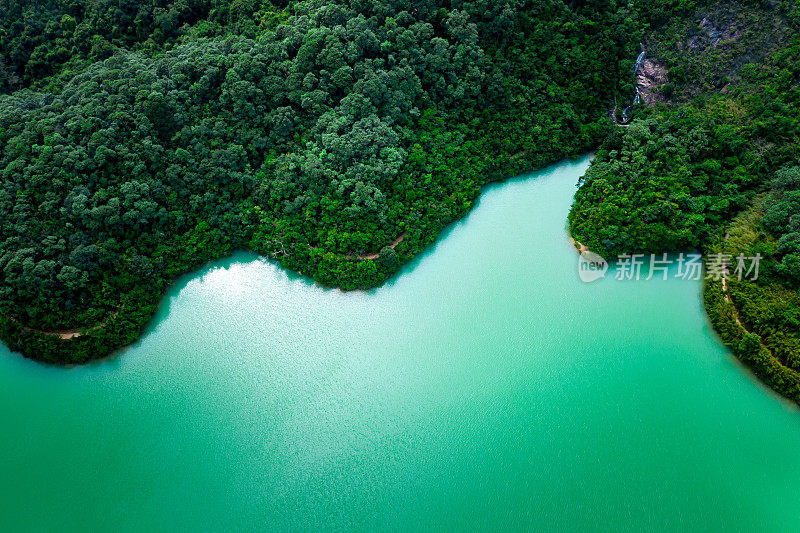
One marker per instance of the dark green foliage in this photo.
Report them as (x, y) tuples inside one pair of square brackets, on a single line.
[(314, 132), (388, 257), (727, 143), (782, 219), (674, 178), (718, 45), (666, 183), (747, 346), (759, 319), (139, 140), (40, 39)]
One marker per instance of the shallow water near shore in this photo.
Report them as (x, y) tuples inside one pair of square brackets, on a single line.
[(486, 386)]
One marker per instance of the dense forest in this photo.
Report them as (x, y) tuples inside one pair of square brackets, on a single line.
[(684, 167), (140, 139), (713, 164)]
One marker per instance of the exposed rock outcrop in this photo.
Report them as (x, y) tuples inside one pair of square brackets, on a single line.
[(717, 33), (651, 77)]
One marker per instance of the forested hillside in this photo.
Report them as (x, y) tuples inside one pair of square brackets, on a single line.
[(139, 140), (713, 164), (685, 166)]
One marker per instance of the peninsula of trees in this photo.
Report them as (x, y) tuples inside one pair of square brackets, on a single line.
[(139, 140)]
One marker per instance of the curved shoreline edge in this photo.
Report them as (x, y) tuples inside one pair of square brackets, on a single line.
[(137, 309), (747, 346), (126, 326)]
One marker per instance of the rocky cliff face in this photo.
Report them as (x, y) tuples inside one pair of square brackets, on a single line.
[(711, 51), (717, 34), (651, 78)]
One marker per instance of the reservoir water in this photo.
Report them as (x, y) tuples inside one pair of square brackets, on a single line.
[(484, 387)]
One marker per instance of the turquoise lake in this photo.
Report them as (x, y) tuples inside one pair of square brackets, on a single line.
[(485, 387)]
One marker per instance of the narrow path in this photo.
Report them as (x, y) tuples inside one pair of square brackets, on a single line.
[(728, 296), (368, 257), (736, 315), (67, 334)]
